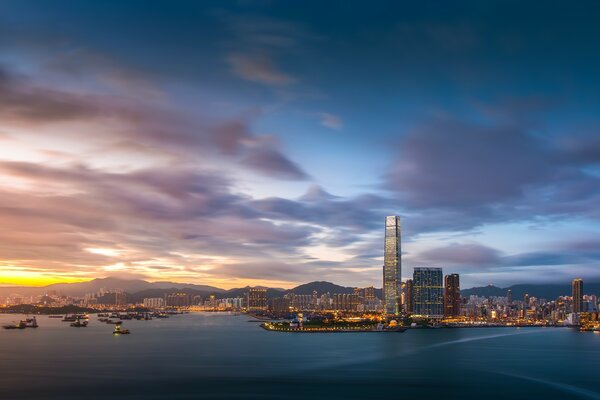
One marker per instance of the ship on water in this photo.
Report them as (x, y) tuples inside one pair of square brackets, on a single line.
[(119, 331), (25, 323)]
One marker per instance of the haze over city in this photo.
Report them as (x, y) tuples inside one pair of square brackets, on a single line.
[(250, 143)]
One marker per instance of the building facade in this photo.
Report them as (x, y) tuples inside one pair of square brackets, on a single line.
[(577, 295), (154, 302), (392, 265), (428, 292), (452, 295), (257, 299), (408, 296)]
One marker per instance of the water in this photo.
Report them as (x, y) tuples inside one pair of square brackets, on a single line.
[(221, 356)]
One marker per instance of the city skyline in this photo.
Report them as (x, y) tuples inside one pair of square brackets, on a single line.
[(243, 143)]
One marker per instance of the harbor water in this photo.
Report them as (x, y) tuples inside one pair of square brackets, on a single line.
[(223, 356)]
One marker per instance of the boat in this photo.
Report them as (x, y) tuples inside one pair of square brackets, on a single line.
[(31, 323), (119, 331), (20, 325), (79, 324), (69, 318), (55, 316)]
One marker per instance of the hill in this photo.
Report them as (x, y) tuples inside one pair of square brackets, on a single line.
[(545, 291), (81, 288)]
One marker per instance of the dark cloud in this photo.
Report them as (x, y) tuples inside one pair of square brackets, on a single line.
[(449, 163), (462, 254), (456, 175)]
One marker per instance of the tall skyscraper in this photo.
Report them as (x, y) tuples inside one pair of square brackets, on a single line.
[(392, 265), (452, 295), (428, 291), (577, 295), (509, 297)]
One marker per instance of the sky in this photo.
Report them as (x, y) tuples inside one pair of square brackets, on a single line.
[(263, 142)]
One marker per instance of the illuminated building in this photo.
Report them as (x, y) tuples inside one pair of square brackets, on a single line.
[(577, 295), (257, 299), (409, 296), (154, 302), (369, 293), (452, 295), (428, 292), (392, 264), (178, 300), (509, 298)]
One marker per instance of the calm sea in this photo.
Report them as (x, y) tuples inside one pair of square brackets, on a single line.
[(221, 356)]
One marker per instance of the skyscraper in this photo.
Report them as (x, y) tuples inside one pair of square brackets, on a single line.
[(577, 295), (428, 292), (408, 296), (452, 295), (509, 297), (392, 265)]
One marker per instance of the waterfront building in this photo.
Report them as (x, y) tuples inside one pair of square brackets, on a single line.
[(408, 296), (257, 299), (392, 265), (577, 295), (452, 295), (154, 302), (428, 292)]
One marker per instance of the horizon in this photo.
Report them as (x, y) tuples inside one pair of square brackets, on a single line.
[(258, 144)]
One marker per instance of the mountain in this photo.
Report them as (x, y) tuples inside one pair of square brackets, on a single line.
[(81, 288), (544, 291), (324, 287), (484, 291)]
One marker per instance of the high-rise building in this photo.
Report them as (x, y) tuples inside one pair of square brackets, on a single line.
[(257, 299), (279, 305), (408, 296), (509, 297), (577, 295), (178, 300), (428, 291), (452, 295), (392, 265)]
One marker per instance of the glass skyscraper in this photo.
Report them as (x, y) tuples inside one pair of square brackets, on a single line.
[(428, 292), (392, 265)]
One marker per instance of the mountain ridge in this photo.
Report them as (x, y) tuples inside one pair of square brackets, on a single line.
[(159, 288)]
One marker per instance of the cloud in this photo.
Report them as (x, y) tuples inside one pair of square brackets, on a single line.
[(470, 254), (331, 121), (454, 174), (146, 126), (449, 163), (258, 68)]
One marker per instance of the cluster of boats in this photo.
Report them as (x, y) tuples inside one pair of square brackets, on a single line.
[(82, 320), (24, 323)]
